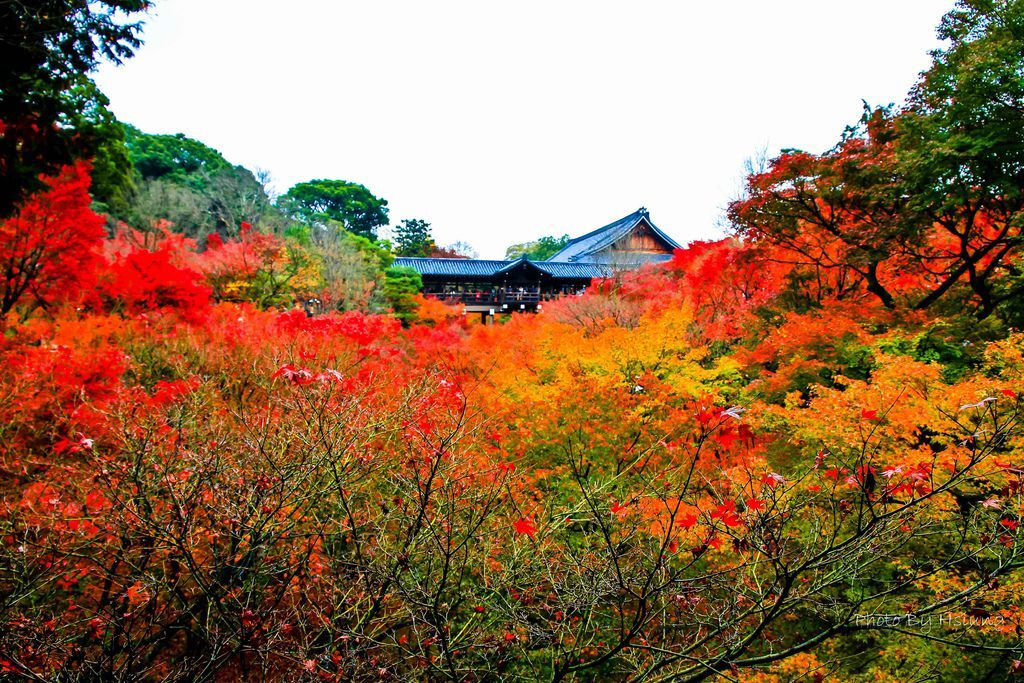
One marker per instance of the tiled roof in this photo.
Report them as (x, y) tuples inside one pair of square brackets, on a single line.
[(575, 270), (452, 266), (440, 267), (586, 248)]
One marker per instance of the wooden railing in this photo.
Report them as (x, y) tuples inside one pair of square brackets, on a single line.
[(484, 298)]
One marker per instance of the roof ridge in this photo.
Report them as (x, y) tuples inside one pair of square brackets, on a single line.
[(638, 214), (611, 235), (585, 246)]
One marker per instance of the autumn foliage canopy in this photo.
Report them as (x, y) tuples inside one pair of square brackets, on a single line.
[(794, 453)]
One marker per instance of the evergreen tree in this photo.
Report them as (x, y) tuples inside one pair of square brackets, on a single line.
[(413, 238)]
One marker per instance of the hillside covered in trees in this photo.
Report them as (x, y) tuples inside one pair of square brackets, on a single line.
[(791, 454)]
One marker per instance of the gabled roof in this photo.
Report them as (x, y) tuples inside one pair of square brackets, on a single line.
[(521, 262), (593, 242), (442, 267)]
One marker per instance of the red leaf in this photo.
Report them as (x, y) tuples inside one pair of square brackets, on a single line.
[(726, 513), (294, 374), (687, 521), (525, 527), (727, 437), (137, 594), (705, 417)]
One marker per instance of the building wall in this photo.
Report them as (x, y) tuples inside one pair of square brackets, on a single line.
[(640, 241)]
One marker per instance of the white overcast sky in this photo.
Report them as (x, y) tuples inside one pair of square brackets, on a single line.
[(499, 123)]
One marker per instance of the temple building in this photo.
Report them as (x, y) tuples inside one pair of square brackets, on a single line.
[(494, 287)]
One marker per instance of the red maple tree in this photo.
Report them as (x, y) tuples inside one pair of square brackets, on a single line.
[(48, 251)]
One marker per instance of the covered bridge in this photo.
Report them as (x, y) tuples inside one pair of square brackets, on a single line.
[(491, 287)]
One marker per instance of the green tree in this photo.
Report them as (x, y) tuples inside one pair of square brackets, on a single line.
[(961, 152), (112, 172), (191, 185), (46, 46), (174, 157), (413, 238), (540, 249), (352, 267), (923, 206), (400, 286), (351, 204)]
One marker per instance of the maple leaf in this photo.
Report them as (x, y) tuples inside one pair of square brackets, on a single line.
[(980, 404), (819, 459), (727, 437), (726, 513), (735, 412), (871, 415), (864, 472), (706, 417), (525, 526), (687, 521), (293, 374), (137, 594), (330, 375)]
